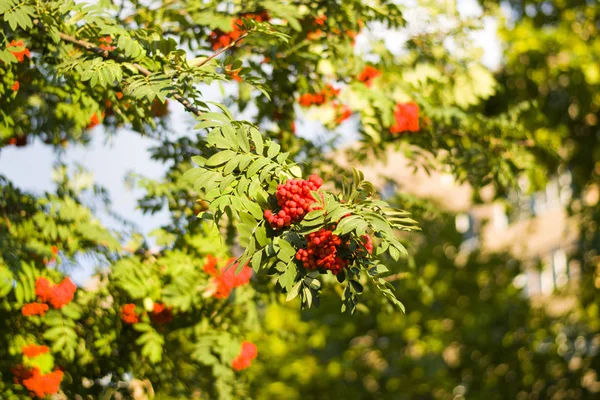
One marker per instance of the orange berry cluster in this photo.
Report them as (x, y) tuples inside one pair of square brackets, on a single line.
[(368, 243), (368, 75), (94, 120), (244, 359), (106, 43), (20, 55), (219, 39), (407, 118), (40, 385), (226, 279), (161, 314), (308, 99), (33, 350), (128, 314), (34, 309), (233, 74), (159, 109), (295, 201), (322, 252), (342, 113), (57, 295)]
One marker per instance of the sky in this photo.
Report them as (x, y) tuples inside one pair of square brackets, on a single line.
[(110, 160)]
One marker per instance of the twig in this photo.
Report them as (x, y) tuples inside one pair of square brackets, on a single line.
[(224, 49)]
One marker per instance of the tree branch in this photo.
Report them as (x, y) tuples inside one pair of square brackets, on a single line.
[(141, 69)]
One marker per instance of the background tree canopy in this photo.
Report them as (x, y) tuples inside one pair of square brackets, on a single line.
[(282, 272)]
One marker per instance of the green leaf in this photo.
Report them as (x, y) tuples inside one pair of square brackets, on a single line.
[(349, 224), (256, 261), (257, 140), (256, 166), (215, 138), (286, 280), (294, 292), (220, 158), (243, 141), (358, 288), (215, 116), (286, 250), (260, 233), (19, 15), (296, 171), (394, 253), (230, 135), (273, 149)]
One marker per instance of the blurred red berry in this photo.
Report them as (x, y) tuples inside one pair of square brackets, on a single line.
[(226, 279), (128, 314), (161, 314), (34, 350), (19, 54), (244, 359), (368, 243), (57, 295), (43, 289), (43, 384), (34, 309), (368, 75), (407, 118)]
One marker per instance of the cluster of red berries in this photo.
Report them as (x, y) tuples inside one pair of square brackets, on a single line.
[(34, 309), (225, 279), (244, 359), (57, 295), (308, 99), (108, 103), (161, 314), (316, 34), (106, 41), (95, 119), (342, 113), (295, 201), (407, 118), (367, 243), (368, 75), (40, 385), (33, 350), (233, 74), (19, 54), (159, 109), (219, 39), (322, 252), (128, 314)]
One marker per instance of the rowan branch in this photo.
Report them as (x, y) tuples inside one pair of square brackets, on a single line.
[(141, 69)]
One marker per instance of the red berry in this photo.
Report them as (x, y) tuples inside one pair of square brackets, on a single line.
[(294, 200), (322, 252)]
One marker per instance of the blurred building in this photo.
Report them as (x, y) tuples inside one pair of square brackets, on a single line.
[(534, 228)]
